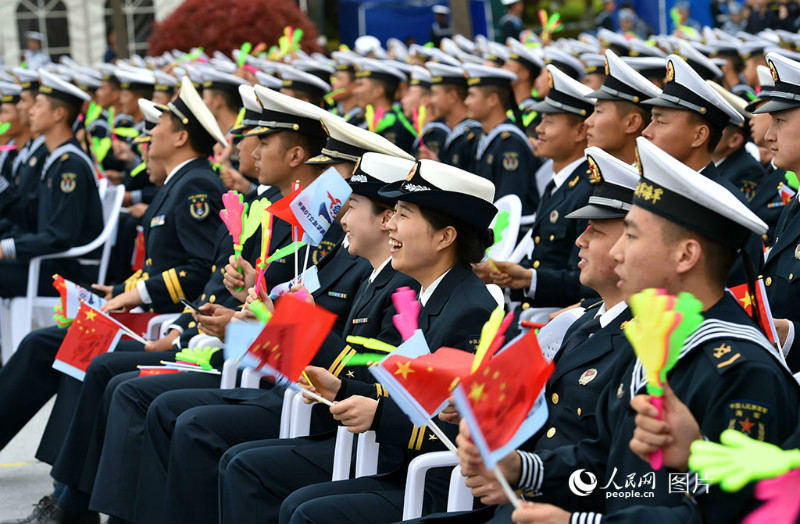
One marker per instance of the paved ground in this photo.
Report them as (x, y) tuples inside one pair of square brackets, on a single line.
[(24, 480)]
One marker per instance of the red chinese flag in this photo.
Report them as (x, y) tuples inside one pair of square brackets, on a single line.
[(149, 371), (503, 389), (746, 300), (137, 262), (430, 378), (292, 336), (136, 322), (90, 334), (281, 209)]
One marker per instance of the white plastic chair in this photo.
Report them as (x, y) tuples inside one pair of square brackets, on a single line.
[(250, 378), (228, 378), (459, 496), (300, 418), (366, 454), (18, 311), (158, 324), (286, 413)]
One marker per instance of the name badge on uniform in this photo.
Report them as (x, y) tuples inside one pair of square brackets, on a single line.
[(160, 220)]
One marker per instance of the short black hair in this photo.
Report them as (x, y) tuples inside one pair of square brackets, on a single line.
[(389, 87), (147, 94), (504, 94), (471, 244), (232, 99), (311, 144), (714, 132), (204, 145), (72, 109), (719, 258)]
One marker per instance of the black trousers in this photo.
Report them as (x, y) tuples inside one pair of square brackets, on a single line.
[(256, 477), (114, 491), (28, 380), (76, 464), (187, 431)]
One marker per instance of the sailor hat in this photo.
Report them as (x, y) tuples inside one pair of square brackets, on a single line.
[(685, 89), (285, 113), (447, 189), (347, 143), (680, 194), (195, 116), (55, 87), (613, 182), (785, 94), (376, 170), (622, 82), (566, 95)]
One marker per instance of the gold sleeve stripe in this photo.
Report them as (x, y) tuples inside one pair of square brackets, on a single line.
[(338, 364), (170, 287), (413, 437), (178, 288), (420, 436), (339, 358), (173, 285), (341, 365)]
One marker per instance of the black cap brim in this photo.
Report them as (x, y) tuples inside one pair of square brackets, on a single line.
[(595, 212), (262, 131), (545, 107), (325, 160), (775, 105), (660, 102), (466, 208)]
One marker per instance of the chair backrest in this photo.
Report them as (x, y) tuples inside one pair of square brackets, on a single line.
[(112, 203)]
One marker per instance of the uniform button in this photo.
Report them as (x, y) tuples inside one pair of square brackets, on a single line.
[(579, 412), (768, 281), (791, 276), (536, 239), (536, 265), (551, 432), (525, 305), (765, 237), (203, 296), (554, 398), (552, 237), (213, 268), (192, 324), (212, 298)]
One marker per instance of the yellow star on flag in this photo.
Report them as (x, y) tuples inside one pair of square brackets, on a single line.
[(90, 315), (747, 301), (404, 369), (476, 392)]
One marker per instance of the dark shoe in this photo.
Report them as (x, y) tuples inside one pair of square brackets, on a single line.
[(43, 511), (87, 517)]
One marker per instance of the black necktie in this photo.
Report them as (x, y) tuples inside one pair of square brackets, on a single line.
[(579, 336), (548, 193)]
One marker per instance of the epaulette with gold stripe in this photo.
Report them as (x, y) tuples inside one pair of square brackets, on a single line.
[(417, 436), (339, 362)]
